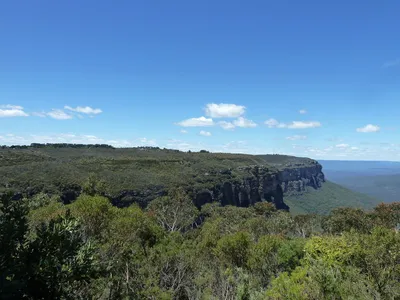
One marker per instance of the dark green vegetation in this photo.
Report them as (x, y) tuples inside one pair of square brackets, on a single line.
[(52, 169), (328, 197), (90, 249), (65, 235), (383, 187), (139, 175)]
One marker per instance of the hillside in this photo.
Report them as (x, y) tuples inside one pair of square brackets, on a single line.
[(328, 197), (383, 187), (139, 175), (56, 168)]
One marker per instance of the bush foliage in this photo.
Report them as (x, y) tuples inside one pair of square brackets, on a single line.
[(90, 249)]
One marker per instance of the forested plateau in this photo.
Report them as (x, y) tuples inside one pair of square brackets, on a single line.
[(94, 222)]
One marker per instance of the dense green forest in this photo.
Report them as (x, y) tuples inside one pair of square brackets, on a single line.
[(64, 236), (139, 175), (327, 198), (384, 187), (90, 249), (57, 167)]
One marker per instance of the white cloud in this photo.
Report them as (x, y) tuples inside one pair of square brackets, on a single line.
[(296, 137), (147, 142), (205, 133), (59, 114), (239, 147), (184, 131), (273, 123), (39, 114), (392, 63), (303, 125), (8, 111), (369, 128), (184, 145), (197, 122), (302, 111), (9, 106), (12, 139), (84, 110), (374, 151), (245, 123), (120, 143), (71, 138), (226, 125), (224, 110), (18, 111), (231, 147), (342, 146)]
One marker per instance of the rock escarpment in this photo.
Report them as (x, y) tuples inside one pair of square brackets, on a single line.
[(296, 178), (139, 175), (241, 186), (260, 183)]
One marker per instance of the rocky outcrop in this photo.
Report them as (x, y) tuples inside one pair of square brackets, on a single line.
[(139, 175), (140, 197), (241, 187), (263, 184), (260, 184), (296, 178)]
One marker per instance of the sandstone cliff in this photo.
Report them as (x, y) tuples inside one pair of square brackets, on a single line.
[(260, 183), (242, 186), (139, 175)]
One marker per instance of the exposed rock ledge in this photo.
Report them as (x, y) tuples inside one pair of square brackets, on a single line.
[(256, 183), (263, 184)]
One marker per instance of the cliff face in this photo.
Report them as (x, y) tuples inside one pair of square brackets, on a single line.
[(294, 179), (264, 184), (241, 187), (139, 175), (260, 184)]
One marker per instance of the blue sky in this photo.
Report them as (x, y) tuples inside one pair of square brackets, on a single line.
[(309, 78)]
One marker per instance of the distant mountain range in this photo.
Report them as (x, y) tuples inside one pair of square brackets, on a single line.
[(379, 179)]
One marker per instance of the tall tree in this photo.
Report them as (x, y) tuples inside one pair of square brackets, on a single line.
[(13, 228), (174, 212)]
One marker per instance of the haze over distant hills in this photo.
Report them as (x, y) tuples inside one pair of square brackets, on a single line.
[(379, 179)]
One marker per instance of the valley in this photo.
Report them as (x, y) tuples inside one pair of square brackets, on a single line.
[(378, 179)]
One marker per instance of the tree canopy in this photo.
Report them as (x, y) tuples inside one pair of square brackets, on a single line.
[(90, 249)]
